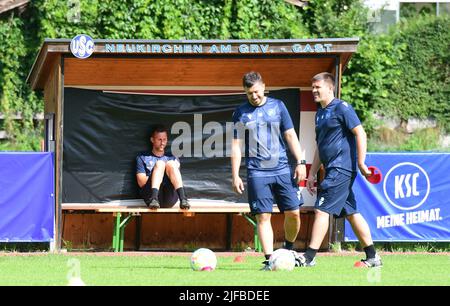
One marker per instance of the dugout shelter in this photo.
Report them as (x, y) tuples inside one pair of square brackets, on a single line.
[(99, 110)]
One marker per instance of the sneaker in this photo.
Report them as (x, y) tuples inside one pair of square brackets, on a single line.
[(300, 260), (311, 263), (266, 266), (372, 262), (184, 204), (154, 204), (147, 201)]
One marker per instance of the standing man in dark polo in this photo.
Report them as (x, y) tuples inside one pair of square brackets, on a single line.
[(269, 176), (341, 148)]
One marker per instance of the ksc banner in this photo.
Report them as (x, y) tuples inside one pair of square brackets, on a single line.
[(411, 203), (26, 197)]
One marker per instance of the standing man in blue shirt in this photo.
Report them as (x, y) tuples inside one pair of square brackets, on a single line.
[(341, 148), (158, 174), (269, 177)]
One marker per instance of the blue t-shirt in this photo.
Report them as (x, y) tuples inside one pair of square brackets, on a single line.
[(265, 150), (335, 140), (145, 162)]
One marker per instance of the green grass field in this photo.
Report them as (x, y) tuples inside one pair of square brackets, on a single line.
[(169, 270)]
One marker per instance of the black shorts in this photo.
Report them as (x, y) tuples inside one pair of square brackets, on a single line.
[(336, 195), (167, 195), (263, 192)]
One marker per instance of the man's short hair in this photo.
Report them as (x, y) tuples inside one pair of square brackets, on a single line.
[(251, 78), (324, 76), (159, 128)]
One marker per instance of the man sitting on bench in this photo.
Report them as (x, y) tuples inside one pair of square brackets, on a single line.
[(158, 174)]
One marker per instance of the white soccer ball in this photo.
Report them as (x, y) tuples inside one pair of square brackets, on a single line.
[(282, 260), (203, 260)]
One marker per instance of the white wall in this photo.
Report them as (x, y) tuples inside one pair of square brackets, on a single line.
[(388, 4)]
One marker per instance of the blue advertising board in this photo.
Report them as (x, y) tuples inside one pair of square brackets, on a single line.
[(26, 197), (411, 203)]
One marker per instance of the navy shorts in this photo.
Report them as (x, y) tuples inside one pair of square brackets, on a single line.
[(167, 195), (263, 192), (335, 194)]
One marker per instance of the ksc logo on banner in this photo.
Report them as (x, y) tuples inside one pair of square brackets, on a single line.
[(411, 186), (411, 203), (82, 46)]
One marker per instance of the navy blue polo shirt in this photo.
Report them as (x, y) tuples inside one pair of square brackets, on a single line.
[(262, 127), (335, 140), (145, 162)]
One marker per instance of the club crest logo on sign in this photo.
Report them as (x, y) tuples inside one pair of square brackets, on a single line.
[(82, 46), (406, 186)]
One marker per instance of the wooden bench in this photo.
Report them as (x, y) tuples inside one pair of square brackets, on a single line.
[(125, 210)]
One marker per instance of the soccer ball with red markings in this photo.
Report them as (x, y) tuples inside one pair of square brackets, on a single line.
[(203, 260)]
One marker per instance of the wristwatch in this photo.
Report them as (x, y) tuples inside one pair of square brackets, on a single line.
[(301, 162)]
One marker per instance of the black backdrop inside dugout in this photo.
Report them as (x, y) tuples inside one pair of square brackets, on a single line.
[(104, 132)]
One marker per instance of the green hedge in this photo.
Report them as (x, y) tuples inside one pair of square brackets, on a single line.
[(423, 90), (403, 74), (15, 96)]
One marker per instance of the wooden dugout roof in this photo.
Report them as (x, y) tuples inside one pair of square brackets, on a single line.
[(148, 63)]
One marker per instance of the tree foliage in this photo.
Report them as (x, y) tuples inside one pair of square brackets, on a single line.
[(16, 98), (336, 18), (423, 90), (404, 74), (371, 74)]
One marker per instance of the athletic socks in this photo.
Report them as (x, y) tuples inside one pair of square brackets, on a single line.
[(370, 251), (266, 259), (288, 245), (155, 192), (181, 193), (310, 254)]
